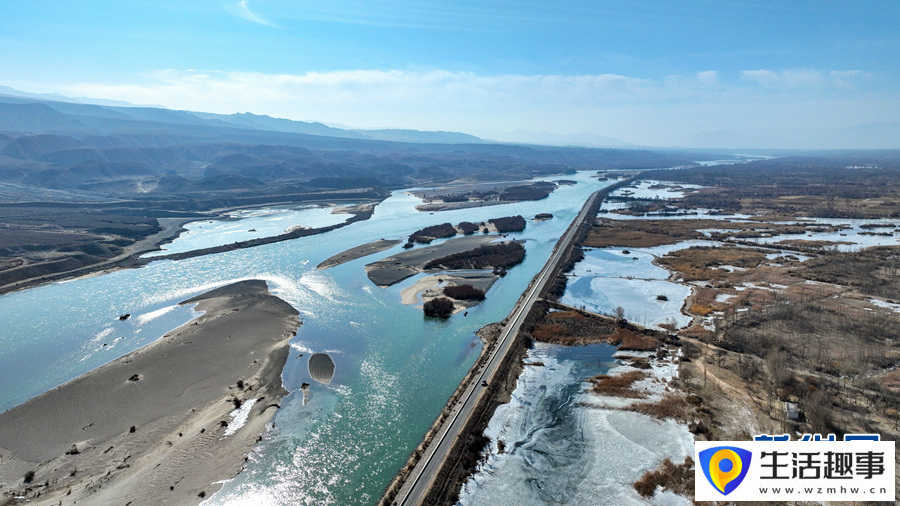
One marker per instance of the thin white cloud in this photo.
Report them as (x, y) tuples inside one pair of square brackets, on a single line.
[(709, 77), (846, 78), (649, 111), (804, 78), (242, 10)]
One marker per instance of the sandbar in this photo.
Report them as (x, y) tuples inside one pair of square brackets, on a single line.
[(431, 287), (358, 252), (398, 267), (150, 427)]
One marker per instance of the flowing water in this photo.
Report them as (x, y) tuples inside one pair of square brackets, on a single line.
[(393, 369), (244, 225)]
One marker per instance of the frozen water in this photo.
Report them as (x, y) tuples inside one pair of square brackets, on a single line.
[(559, 448), (614, 262), (639, 298)]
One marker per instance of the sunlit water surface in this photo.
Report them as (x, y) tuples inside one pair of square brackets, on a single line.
[(394, 369), (244, 225)]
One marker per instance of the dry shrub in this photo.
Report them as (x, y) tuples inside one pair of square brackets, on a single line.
[(619, 385), (571, 328), (700, 309), (428, 234), (510, 223), (699, 262), (640, 363), (504, 254), (464, 292), (696, 332), (670, 406), (565, 315), (629, 340), (548, 331), (440, 307), (678, 479)]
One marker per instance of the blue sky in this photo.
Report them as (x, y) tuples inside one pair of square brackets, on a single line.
[(649, 72)]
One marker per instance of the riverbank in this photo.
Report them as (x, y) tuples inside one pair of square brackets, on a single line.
[(131, 256), (396, 268), (443, 485), (358, 252), (161, 424)]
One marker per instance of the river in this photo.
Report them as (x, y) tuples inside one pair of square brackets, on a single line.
[(394, 369)]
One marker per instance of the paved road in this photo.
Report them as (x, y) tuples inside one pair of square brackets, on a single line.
[(413, 491)]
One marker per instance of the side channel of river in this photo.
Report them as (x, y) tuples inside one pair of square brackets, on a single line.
[(394, 369)]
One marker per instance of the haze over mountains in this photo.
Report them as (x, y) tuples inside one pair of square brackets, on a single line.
[(81, 183), (100, 151)]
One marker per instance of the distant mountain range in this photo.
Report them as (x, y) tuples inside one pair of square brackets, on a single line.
[(151, 153), (89, 111)]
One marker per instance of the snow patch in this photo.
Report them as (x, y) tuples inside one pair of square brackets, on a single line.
[(239, 417)]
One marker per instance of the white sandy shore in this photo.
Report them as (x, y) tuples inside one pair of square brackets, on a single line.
[(431, 287), (150, 427)]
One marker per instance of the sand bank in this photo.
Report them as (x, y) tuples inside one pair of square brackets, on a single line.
[(150, 427), (398, 267), (358, 252), (432, 287)]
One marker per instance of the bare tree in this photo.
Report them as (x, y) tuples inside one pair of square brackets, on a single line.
[(818, 411), (778, 367), (620, 312)]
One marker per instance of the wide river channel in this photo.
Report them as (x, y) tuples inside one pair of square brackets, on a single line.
[(394, 369)]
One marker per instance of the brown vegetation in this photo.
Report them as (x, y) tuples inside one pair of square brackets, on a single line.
[(672, 405), (503, 255), (873, 271), (463, 292), (642, 233), (630, 340), (439, 307), (618, 385), (678, 479), (572, 328), (428, 234), (699, 263), (508, 224)]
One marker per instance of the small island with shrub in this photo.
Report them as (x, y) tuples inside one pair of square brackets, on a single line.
[(440, 307), (501, 255), (454, 298), (445, 230)]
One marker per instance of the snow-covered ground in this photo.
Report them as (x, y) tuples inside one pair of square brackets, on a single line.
[(560, 447)]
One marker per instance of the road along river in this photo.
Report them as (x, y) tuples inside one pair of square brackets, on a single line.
[(393, 369)]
